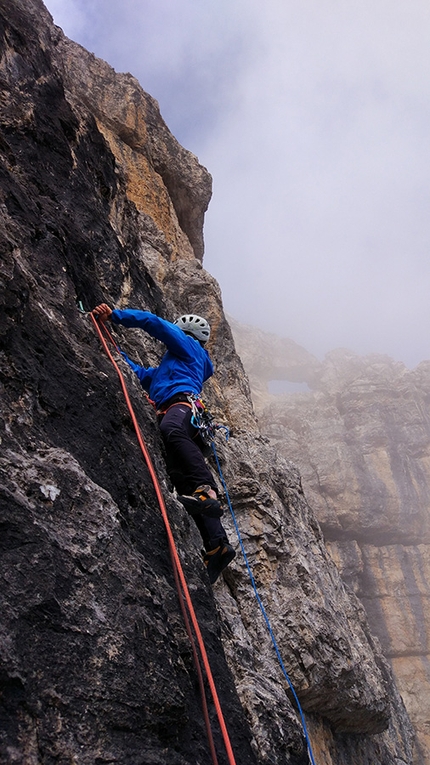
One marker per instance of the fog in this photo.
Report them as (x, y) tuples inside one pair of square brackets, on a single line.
[(313, 119)]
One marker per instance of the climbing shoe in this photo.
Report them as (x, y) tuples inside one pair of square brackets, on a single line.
[(217, 560), (201, 503)]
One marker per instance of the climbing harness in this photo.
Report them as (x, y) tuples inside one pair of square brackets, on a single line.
[(207, 427), (183, 591)]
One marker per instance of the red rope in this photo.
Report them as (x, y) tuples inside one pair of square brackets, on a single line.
[(173, 551), (196, 664)]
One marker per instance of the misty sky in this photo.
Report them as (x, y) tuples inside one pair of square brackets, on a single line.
[(313, 117)]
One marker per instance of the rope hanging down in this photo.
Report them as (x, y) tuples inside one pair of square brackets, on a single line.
[(203, 420), (209, 428), (183, 591), (196, 664), (263, 610)]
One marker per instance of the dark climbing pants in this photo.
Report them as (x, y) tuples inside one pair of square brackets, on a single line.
[(187, 466)]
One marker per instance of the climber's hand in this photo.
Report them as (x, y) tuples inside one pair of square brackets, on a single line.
[(102, 312)]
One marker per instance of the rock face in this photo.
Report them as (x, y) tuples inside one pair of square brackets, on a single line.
[(361, 440), (99, 202)]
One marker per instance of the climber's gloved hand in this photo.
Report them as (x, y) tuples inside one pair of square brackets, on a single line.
[(102, 312)]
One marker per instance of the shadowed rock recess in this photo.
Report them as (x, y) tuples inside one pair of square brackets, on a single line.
[(99, 202)]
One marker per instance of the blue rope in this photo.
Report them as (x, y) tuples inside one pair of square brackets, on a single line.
[(263, 610)]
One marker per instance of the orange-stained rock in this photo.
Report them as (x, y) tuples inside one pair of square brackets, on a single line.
[(141, 142), (100, 203)]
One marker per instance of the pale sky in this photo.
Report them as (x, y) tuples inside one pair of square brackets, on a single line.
[(313, 117)]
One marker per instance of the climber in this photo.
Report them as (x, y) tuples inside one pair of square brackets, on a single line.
[(184, 368)]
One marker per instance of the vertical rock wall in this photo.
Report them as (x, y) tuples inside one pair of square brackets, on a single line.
[(99, 202), (361, 439)]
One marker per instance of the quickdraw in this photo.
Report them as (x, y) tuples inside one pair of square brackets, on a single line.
[(203, 420)]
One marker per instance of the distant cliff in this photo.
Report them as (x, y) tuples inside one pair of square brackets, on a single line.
[(99, 202), (361, 440)]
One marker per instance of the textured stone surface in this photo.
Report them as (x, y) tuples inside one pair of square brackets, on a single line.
[(164, 180), (98, 202), (361, 439)]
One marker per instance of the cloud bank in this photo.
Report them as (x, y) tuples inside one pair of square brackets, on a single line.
[(313, 118)]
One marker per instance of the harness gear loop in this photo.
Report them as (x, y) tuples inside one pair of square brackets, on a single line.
[(178, 570), (204, 421)]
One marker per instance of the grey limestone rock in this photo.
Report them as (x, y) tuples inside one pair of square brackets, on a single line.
[(102, 204)]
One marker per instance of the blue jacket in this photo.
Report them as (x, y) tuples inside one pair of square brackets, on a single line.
[(184, 367)]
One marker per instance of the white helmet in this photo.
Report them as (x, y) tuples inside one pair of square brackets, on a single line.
[(195, 325)]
